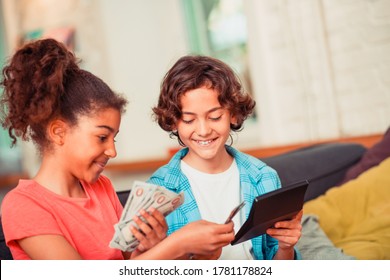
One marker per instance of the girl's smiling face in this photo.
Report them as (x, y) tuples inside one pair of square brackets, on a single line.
[(204, 127), (89, 145)]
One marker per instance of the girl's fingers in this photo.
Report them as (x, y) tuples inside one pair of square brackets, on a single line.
[(153, 222), (156, 221), (144, 243), (144, 227), (150, 231), (159, 217), (137, 234)]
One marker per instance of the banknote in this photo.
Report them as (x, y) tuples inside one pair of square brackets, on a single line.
[(142, 196)]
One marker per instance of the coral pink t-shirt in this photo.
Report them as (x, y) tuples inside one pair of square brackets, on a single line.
[(86, 223)]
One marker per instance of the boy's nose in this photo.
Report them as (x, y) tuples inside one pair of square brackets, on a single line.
[(203, 128)]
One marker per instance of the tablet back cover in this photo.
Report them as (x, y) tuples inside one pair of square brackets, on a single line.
[(278, 205)]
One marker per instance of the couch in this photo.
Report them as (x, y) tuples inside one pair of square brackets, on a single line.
[(323, 165), (351, 220)]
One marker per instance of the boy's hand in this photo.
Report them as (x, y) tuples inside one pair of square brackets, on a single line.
[(287, 232)]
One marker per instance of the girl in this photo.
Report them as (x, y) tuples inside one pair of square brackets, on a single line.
[(201, 101), (67, 211)]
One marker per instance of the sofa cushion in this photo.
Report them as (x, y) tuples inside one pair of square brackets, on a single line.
[(355, 216), (372, 157), (5, 253), (323, 165), (123, 195)]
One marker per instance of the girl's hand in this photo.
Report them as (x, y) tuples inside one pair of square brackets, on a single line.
[(205, 238), (213, 256), (150, 232), (287, 232)]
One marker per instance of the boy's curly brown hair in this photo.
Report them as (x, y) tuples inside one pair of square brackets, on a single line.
[(192, 72)]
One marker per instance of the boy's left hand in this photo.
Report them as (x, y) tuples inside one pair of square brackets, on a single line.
[(152, 232), (287, 232)]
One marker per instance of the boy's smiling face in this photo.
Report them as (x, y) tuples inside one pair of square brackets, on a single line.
[(204, 127)]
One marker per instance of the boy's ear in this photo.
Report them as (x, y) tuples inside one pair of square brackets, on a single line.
[(56, 131), (233, 120)]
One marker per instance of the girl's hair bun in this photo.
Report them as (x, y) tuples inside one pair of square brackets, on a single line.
[(34, 82)]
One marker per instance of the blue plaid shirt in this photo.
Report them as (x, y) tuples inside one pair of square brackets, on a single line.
[(256, 178)]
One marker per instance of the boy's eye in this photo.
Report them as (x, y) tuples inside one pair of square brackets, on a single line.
[(216, 118), (102, 138), (187, 121)]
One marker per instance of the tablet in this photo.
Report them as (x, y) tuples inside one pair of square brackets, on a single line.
[(267, 209)]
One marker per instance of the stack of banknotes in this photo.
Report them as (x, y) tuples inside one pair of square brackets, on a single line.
[(142, 196)]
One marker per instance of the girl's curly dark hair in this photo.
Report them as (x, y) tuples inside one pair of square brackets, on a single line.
[(192, 72), (42, 81)]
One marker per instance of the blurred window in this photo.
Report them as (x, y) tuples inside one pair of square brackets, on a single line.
[(218, 28), (9, 157)]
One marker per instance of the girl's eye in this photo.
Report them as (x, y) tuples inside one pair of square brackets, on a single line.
[(102, 138)]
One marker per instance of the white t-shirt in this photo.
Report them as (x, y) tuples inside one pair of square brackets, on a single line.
[(216, 195)]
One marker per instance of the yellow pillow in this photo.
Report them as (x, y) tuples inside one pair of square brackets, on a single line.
[(356, 216)]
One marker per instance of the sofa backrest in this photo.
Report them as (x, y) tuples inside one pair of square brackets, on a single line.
[(323, 165)]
